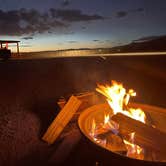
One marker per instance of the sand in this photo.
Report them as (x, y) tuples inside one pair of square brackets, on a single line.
[(29, 90)]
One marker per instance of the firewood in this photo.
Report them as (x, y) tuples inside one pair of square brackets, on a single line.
[(155, 115), (61, 120), (87, 98), (113, 142), (145, 135)]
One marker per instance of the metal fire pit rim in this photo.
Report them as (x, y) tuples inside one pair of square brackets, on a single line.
[(86, 111)]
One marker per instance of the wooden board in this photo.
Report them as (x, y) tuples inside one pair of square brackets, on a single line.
[(145, 136), (61, 120)]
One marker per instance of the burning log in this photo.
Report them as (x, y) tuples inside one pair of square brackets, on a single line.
[(155, 115), (113, 142), (145, 135), (61, 120)]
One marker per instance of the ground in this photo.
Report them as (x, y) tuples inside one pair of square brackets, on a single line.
[(29, 90)]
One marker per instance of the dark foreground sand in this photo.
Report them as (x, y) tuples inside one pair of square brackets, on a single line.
[(29, 91)]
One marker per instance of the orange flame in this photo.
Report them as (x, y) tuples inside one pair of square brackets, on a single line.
[(118, 99), (133, 150), (110, 125)]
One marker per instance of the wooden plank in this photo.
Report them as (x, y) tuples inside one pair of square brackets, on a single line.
[(145, 135), (62, 120), (87, 98)]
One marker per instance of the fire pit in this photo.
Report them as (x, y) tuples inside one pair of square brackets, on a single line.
[(132, 131)]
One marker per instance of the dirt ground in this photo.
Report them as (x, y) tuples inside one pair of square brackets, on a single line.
[(29, 90)]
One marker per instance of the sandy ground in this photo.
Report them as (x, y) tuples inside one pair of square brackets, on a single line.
[(29, 91)]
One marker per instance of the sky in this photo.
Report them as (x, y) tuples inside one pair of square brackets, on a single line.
[(43, 25)]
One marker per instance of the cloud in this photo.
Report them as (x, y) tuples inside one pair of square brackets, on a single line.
[(24, 21), (83, 27), (147, 38), (72, 41), (137, 10), (65, 3), (28, 38), (96, 40), (72, 15), (121, 14), (30, 21)]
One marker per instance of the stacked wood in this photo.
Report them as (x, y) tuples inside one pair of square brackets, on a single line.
[(62, 120), (145, 136)]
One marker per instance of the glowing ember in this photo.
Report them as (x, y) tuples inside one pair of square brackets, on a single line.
[(133, 150)]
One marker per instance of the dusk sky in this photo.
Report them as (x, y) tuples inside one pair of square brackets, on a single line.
[(63, 24)]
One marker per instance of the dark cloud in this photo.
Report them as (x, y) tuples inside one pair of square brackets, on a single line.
[(72, 15), (147, 38), (65, 3), (121, 14), (31, 21), (28, 38), (96, 40), (72, 41), (83, 27), (138, 10), (24, 21)]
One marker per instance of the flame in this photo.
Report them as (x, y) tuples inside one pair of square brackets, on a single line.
[(118, 99), (133, 150), (110, 125), (106, 118), (93, 134)]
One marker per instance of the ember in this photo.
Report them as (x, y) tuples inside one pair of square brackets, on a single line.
[(133, 150)]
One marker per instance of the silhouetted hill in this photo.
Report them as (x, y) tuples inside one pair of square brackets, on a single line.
[(153, 44)]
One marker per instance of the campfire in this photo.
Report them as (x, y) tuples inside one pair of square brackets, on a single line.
[(121, 127), (118, 99)]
